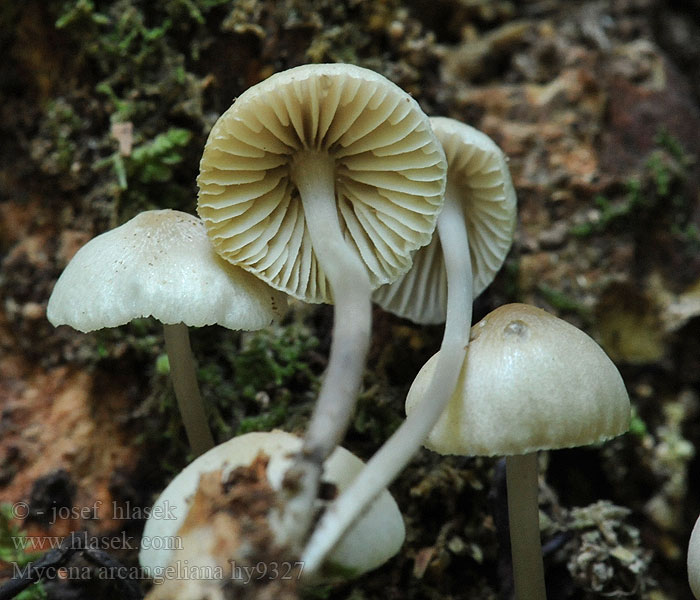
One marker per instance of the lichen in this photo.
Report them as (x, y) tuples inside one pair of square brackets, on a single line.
[(606, 555), (670, 456)]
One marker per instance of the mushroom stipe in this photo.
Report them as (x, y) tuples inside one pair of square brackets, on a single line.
[(474, 233), (161, 264), (323, 180)]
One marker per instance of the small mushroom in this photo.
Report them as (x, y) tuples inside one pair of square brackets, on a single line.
[(323, 180), (480, 193), (694, 560), (474, 233), (372, 541), (161, 264), (530, 382)]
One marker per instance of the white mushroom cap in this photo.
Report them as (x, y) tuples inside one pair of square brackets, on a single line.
[(160, 264), (694, 560), (370, 542), (389, 178), (530, 382), (477, 175)]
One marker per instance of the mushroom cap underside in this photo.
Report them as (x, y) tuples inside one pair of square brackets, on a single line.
[(479, 178), (389, 175)]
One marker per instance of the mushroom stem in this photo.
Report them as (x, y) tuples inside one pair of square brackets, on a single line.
[(314, 175), (523, 516), (184, 378), (393, 456)]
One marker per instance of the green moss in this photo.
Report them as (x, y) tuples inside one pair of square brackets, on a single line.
[(256, 381), (59, 124), (667, 141), (689, 235), (582, 229), (376, 417), (317, 592), (267, 420), (78, 12), (337, 572), (11, 539), (12, 551), (612, 212), (163, 365), (153, 161), (657, 195), (195, 9), (272, 358), (638, 427), (561, 301), (143, 338), (135, 54), (660, 174), (145, 177)]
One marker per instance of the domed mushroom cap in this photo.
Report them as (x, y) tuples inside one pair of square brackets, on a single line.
[(389, 178), (370, 542), (478, 176), (530, 382), (161, 264), (694, 560)]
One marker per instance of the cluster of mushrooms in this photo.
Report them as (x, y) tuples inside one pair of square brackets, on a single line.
[(329, 184)]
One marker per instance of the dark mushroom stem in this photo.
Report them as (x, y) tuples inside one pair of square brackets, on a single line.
[(314, 175), (184, 378), (524, 524), (393, 456)]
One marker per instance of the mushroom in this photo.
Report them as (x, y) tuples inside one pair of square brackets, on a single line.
[(474, 233), (372, 541), (694, 560), (530, 382), (480, 193), (161, 264), (322, 180)]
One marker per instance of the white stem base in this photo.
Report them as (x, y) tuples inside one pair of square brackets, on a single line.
[(313, 174), (393, 456)]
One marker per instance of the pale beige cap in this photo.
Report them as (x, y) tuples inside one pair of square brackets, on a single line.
[(478, 176), (694, 560), (531, 381), (390, 175), (370, 542), (160, 264)]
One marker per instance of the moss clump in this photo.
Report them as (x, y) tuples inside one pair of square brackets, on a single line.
[(258, 380), (58, 146), (13, 550), (150, 165), (657, 195), (273, 358), (638, 427), (377, 415), (137, 58)]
